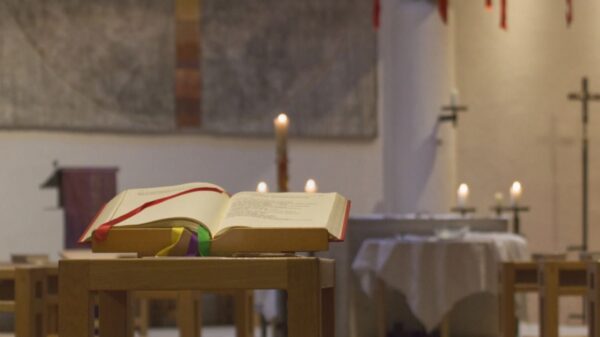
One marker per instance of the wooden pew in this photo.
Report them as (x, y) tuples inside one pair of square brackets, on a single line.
[(28, 283), (593, 298), (558, 278), (550, 278), (515, 277)]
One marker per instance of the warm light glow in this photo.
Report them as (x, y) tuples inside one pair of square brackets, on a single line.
[(462, 194), (516, 190), (454, 97), (262, 187), (499, 197), (311, 186), (282, 119)]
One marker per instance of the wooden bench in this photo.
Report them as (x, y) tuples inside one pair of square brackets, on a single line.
[(309, 283), (593, 298), (32, 301), (558, 278), (550, 279)]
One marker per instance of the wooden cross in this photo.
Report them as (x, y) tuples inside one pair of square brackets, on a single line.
[(454, 110), (584, 97)]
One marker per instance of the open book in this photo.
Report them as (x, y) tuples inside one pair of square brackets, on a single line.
[(208, 206)]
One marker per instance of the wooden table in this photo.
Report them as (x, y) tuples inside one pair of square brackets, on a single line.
[(309, 283), (551, 279)]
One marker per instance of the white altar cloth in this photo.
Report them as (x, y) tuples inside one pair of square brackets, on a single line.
[(434, 274)]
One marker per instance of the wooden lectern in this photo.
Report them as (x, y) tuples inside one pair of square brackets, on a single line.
[(82, 192)]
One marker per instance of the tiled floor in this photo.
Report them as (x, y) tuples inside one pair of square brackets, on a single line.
[(532, 330), (525, 330), (212, 331)]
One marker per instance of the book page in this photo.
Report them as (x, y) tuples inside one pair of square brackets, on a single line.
[(281, 210), (205, 207)]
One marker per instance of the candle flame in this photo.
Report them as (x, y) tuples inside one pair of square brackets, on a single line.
[(463, 189), (311, 186), (516, 188), (262, 187), (282, 119)]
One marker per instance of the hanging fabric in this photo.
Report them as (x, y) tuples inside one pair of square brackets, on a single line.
[(443, 9), (376, 14), (488, 5), (569, 13), (503, 20)]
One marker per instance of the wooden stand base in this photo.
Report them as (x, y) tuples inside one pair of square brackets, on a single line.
[(309, 283)]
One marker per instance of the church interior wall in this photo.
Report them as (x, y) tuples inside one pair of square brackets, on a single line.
[(520, 125), (32, 223)]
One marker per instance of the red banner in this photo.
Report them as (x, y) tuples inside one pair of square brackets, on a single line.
[(443, 9), (376, 14), (569, 13), (503, 20), (488, 5)]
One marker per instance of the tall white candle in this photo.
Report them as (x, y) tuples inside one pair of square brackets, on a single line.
[(281, 131), (516, 190), (311, 186), (262, 187), (462, 195)]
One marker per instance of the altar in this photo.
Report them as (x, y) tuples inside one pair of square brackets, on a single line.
[(351, 299), (435, 272)]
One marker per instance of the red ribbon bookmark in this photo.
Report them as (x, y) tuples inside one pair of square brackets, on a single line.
[(101, 233)]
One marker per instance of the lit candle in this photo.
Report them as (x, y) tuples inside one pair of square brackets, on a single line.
[(281, 131), (454, 97), (281, 123), (311, 186), (499, 197), (262, 187), (462, 195), (516, 190)]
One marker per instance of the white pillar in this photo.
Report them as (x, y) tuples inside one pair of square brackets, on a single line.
[(416, 56)]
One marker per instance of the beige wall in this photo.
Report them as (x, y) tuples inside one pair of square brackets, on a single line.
[(520, 124)]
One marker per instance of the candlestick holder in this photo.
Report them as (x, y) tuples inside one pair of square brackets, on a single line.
[(516, 210), (463, 210), (497, 209), (280, 326), (282, 174)]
